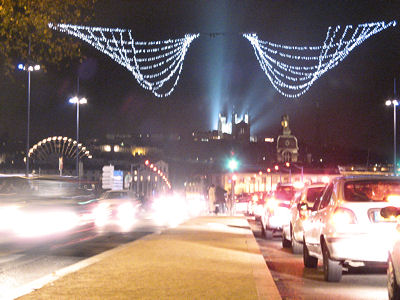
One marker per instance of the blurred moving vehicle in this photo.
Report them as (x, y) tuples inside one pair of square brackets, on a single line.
[(292, 233), (33, 209), (256, 205), (276, 209), (171, 209), (393, 268), (346, 229), (116, 209)]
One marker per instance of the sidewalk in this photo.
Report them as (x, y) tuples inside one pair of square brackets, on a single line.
[(213, 257)]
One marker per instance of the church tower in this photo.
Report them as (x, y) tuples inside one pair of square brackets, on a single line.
[(287, 148)]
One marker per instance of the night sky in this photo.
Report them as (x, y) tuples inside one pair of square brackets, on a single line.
[(346, 105)]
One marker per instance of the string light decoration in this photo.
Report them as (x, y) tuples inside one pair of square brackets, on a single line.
[(293, 69), (158, 172), (156, 65), (58, 145)]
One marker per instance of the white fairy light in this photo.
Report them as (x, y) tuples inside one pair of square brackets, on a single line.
[(63, 146), (156, 65), (293, 69)]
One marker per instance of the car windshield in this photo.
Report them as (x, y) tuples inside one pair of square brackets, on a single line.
[(116, 195), (314, 193), (372, 190)]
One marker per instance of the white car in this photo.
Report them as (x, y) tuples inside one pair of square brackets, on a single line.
[(276, 211), (292, 233), (258, 205), (346, 228), (393, 269), (116, 207)]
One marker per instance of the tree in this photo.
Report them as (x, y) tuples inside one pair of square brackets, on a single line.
[(26, 21)]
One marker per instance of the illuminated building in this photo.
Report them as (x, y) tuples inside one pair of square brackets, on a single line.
[(238, 129), (287, 149)]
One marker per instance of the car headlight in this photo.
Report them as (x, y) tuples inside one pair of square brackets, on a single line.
[(126, 211), (33, 224), (101, 214), (9, 216)]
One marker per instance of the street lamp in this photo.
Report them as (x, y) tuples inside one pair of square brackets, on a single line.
[(28, 67), (394, 103), (78, 102), (233, 164)]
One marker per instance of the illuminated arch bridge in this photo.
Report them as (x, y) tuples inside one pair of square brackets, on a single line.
[(58, 146)]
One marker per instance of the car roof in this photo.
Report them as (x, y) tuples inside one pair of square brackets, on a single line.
[(368, 177), (315, 185)]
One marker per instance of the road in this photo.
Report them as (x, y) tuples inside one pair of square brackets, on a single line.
[(21, 264), (296, 282)]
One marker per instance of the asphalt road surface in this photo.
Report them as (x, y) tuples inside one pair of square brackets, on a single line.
[(294, 281), (22, 263)]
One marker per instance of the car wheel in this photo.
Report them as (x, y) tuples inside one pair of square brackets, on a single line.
[(297, 248), (332, 269), (309, 261), (285, 242), (393, 288)]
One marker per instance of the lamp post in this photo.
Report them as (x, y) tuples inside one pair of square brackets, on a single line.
[(28, 67), (78, 102), (233, 164), (269, 171), (302, 171), (394, 103)]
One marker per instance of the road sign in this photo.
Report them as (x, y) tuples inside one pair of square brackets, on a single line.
[(108, 177), (118, 180)]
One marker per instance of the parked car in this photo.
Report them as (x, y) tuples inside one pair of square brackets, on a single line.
[(276, 211), (393, 269), (241, 203), (345, 228), (292, 233)]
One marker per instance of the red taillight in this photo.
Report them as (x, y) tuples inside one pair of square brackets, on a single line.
[(343, 216)]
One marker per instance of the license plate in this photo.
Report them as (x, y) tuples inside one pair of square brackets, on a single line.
[(379, 218)]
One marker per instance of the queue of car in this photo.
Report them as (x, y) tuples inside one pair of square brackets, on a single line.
[(347, 223), (292, 231)]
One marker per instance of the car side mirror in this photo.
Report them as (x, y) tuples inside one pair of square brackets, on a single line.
[(390, 211), (302, 206)]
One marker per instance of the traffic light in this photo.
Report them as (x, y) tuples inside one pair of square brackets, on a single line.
[(269, 170), (276, 168), (233, 164), (287, 164)]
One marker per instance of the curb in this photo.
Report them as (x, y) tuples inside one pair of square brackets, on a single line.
[(265, 284)]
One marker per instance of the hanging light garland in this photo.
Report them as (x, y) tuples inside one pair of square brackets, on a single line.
[(293, 69), (156, 65), (58, 145)]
